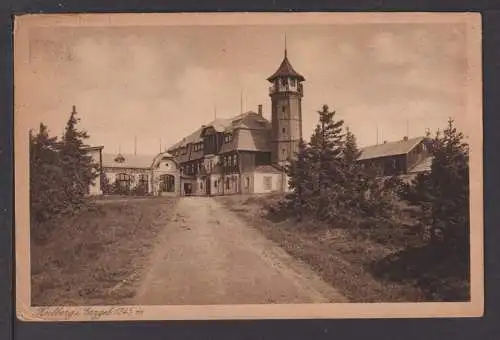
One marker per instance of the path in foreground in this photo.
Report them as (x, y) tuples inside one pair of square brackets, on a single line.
[(207, 255)]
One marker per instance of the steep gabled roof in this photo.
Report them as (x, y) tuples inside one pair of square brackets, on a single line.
[(194, 137), (285, 70), (243, 121), (127, 161), (389, 149), (270, 169)]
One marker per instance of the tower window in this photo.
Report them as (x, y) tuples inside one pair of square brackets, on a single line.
[(283, 130)]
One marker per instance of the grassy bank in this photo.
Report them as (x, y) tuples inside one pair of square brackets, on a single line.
[(95, 255), (376, 263)]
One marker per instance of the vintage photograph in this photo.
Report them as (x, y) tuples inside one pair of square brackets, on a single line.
[(239, 165)]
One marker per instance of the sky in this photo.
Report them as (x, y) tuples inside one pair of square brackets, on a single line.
[(160, 83)]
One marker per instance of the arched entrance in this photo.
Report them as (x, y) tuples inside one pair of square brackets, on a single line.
[(167, 183)]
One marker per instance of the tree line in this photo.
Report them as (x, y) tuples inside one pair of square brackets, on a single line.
[(329, 185), (61, 170)]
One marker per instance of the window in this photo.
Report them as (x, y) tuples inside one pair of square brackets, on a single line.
[(167, 183), (268, 182), (283, 130), (248, 182), (123, 181), (227, 183), (235, 160), (283, 108), (228, 138), (293, 82), (143, 181), (283, 151)]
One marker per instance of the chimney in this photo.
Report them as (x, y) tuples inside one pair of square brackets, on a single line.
[(260, 110), (405, 138), (385, 142)]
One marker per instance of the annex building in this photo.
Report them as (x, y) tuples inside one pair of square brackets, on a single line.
[(244, 154)]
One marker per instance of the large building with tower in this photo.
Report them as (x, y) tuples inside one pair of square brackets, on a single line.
[(244, 154)]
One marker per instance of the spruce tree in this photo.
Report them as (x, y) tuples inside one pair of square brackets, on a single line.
[(351, 151), (77, 164), (355, 184), (443, 193), (46, 194), (299, 182), (450, 181), (326, 147)]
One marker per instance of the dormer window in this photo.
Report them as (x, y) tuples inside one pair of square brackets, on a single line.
[(119, 159), (294, 82), (228, 138)]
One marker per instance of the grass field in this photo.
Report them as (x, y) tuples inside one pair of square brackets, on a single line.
[(96, 255), (382, 263)]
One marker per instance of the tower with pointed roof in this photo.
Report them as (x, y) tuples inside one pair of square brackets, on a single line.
[(286, 94)]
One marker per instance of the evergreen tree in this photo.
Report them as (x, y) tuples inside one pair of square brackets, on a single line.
[(351, 151), (299, 182), (356, 180), (46, 195), (450, 179), (76, 163), (326, 147), (443, 193)]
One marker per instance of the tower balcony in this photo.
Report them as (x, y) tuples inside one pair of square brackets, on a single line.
[(286, 88)]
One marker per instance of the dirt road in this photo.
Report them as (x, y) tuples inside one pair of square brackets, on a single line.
[(207, 255)]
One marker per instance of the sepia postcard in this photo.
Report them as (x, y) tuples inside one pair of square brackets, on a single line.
[(248, 166)]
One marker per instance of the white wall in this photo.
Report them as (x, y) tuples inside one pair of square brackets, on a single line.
[(95, 189), (259, 186)]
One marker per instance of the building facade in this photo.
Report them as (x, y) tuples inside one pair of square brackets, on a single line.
[(135, 174), (404, 158), (245, 154)]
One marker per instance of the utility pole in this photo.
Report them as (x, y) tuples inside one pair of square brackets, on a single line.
[(135, 145), (241, 101)]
